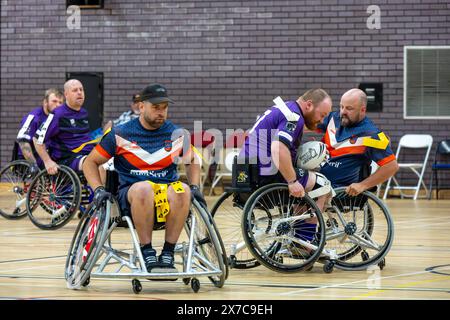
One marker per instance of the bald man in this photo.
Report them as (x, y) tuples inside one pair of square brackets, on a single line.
[(353, 141), (65, 133)]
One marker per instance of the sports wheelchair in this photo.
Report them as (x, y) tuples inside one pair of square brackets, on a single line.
[(91, 254), (52, 200), (49, 200), (261, 224), (15, 179), (351, 234)]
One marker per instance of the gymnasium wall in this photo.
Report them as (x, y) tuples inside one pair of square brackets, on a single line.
[(222, 61)]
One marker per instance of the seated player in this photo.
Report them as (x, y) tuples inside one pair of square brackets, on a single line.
[(144, 150), (31, 122), (65, 132), (353, 141), (273, 142)]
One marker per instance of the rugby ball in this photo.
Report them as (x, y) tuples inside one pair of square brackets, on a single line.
[(311, 154)]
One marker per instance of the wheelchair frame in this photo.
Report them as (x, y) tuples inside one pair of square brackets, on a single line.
[(83, 196), (194, 261), (329, 256)]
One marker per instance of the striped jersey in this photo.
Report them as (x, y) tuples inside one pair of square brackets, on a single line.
[(65, 133), (277, 123), (352, 147), (28, 127), (141, 154)]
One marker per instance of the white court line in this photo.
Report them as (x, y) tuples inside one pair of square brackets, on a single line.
[(417, 220), (359, 281), (2, 272), (421, 226)]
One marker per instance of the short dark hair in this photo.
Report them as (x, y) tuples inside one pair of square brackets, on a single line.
[(315, 95), (55, 91)]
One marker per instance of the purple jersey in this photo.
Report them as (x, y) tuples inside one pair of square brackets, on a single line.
[(276, 124), (66, 133), (28, 127)]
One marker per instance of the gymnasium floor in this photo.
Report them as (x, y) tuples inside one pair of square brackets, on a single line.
[(418, 267)]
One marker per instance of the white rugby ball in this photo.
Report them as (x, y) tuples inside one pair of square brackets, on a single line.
[(311, 154)]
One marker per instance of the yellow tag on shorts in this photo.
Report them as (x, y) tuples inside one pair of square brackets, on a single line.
[(161, 202)]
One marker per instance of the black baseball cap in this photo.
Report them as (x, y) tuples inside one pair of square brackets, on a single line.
[(155, 93)]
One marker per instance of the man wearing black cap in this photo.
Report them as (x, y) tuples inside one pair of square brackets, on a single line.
[(144, 150)]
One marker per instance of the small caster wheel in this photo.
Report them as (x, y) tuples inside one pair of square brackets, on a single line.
[(364, 256), (195, 285), (382, 264), (186, 280), (137, 287), (232, 261), (86, 282), (328, 267)]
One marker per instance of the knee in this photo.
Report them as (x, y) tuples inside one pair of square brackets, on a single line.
[(180, 198), (140, 192)]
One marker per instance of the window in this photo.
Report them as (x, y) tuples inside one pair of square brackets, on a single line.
[(426, 82), (85, 4)]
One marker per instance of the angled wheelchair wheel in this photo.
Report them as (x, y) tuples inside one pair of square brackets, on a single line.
[(359, 230), (209, 250), (284, 233), (52, 200), (15, 180), (227, 215), (86, 246)]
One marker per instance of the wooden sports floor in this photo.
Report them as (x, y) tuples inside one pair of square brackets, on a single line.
[(418, 267)]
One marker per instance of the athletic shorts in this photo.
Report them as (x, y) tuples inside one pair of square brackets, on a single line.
[(125, 208), (73, 162)]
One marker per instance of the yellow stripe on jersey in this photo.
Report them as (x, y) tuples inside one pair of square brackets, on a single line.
[(76, 150), (382, 143)]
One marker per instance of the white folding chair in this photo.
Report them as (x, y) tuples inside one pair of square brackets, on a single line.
[(412, 141), (225, 165)]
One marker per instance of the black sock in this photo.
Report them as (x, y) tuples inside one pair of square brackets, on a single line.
[(146, 246), (169, 247)]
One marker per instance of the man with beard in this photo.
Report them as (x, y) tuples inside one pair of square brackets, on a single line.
[(272, 145), (353, 141), (31, 122), (274, 139), (65, 133), (144, 150)]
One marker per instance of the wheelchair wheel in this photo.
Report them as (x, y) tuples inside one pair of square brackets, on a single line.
[(207, 242), (228, 217), (278, 231), (52, 200), (86, 245), (15, 180), (360, 230)]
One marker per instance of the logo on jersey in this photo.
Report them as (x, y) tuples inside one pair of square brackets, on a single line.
[(291, 126), (72, 122), (353, 139), (168, 145)]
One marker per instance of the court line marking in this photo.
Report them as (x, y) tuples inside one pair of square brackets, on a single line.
[(353, 282), (32, 259)]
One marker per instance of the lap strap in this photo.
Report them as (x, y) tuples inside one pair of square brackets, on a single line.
[(161, 202)]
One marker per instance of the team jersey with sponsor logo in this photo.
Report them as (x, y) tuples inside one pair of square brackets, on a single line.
[(352, 147), (28, 127), (65, 133), (141, 154), (277, 123)]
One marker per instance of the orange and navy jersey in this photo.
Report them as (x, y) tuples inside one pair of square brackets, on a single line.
[(141, 154), (352, 147)]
